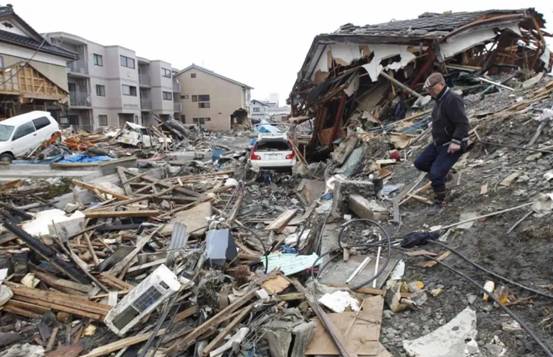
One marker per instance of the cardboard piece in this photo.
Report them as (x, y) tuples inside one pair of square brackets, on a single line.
[(195, 220), (361, 331), (275, 285)]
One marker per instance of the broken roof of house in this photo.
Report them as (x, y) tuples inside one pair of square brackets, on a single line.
[(434, 25), (33, 40)]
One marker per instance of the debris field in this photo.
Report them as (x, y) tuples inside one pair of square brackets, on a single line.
[(166, 242)]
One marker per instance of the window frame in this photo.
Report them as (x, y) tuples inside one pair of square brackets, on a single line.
[(125, 60), (98, 59), (164, 97), (100, 117), (130, 91), (102, 92), (166, 73)]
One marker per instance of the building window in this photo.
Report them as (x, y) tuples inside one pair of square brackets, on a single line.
[(100, 90), (129, 90), (167, 96), (192, 75), (165, 72), (127, 62), (200, 121), (1, 61), (256, 109), (203, 101), (184, 96), (102, 120), (194, 98), (98, 60)]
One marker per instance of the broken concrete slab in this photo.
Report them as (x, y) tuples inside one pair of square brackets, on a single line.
[(311, 190), (364, 208), (55, 222), (450, 340), (195, 220)]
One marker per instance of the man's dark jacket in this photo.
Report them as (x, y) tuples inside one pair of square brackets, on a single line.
[(449, 121)]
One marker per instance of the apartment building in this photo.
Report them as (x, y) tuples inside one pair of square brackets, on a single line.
[(110, 85), (210, 99), (158, 90)]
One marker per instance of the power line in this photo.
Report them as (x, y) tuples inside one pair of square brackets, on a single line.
[(24, 62)]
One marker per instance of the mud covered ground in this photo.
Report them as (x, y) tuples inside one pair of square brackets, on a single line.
[(522, 255)]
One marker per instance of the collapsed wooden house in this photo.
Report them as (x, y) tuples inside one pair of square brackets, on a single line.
[(33, 73), (374, 73)]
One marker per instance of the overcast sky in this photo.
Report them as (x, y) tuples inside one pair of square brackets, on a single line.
[(260, 43)]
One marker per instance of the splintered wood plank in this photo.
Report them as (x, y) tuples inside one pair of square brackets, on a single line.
[(281, 221), (129, 213)]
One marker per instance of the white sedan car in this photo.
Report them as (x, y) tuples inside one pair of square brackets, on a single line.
[(272, 152)]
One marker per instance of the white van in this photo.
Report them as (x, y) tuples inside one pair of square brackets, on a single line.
[(22, 133)]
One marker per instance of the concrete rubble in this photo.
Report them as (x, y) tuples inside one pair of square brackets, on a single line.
[(172, 245)]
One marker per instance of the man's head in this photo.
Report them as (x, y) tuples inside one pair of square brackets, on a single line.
[(434, 84)]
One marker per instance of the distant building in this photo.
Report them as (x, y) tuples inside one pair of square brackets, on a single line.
[(110, 85), (32, 70), (267, 110), (210, 99), (259, 109)]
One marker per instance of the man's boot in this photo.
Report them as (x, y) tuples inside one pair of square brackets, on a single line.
[(440, 196)]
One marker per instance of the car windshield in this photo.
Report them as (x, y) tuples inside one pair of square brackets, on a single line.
[(5, 132)]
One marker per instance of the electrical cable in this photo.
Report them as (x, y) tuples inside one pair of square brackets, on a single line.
[(388, 241), (389, 250), (25, 62), (472, 281), (501, 277), (505, 308)]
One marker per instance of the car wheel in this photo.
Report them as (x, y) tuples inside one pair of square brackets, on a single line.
[(6, 158)]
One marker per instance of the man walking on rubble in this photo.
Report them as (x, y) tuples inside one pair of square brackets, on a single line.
[(450, 127)]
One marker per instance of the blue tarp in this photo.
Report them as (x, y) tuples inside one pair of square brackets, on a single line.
[(267, 129), (84, 158)]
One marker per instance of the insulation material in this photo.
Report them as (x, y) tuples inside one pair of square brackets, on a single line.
[(352, 87), (462, 42), (382, 52), (545, 57)]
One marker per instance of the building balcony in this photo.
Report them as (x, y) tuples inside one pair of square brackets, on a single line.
[(145, 104), (79, 99), (176, 87), (78, 67), (144, 79)]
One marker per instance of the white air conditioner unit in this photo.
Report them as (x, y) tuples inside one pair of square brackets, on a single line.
[(142, 299)]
